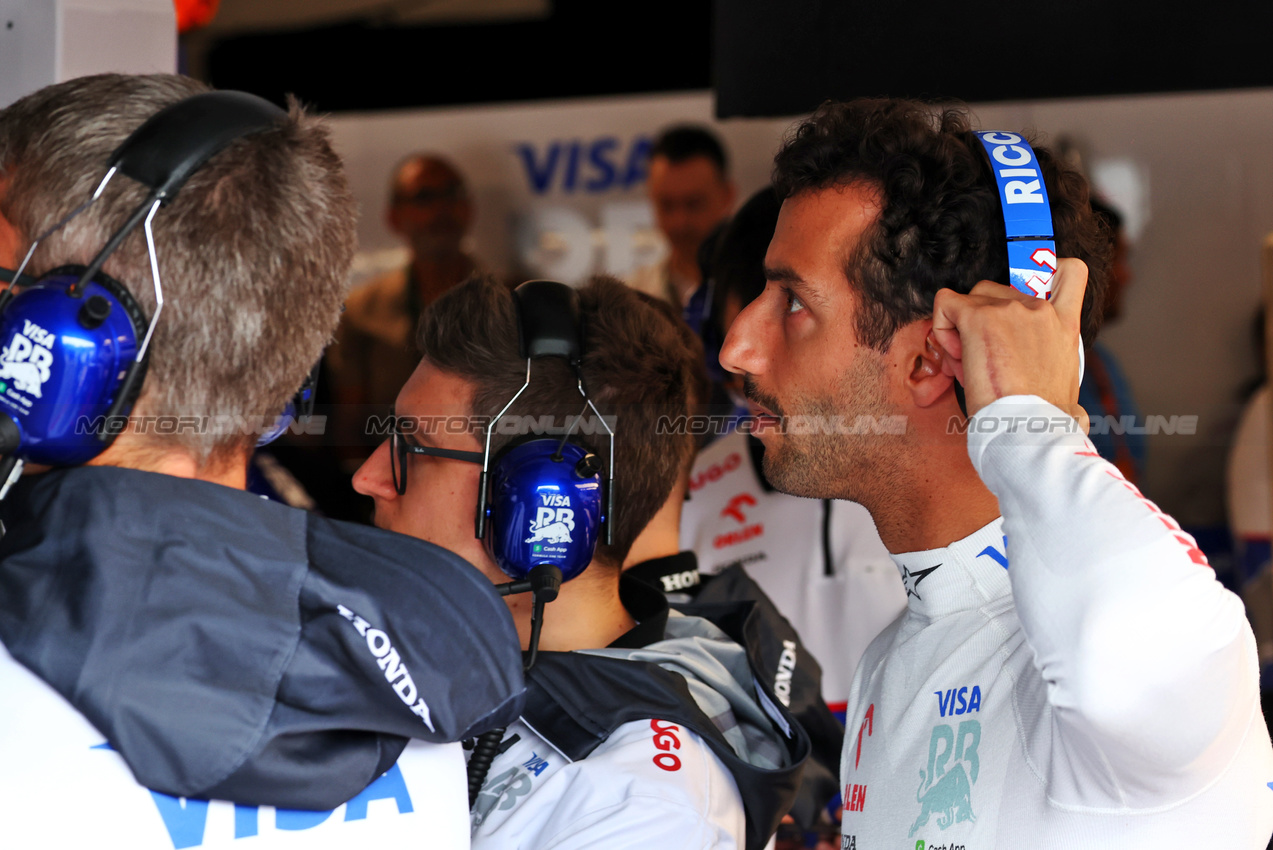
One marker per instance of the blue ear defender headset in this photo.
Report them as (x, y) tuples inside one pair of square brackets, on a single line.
[(543, 501), (1027, 219), (299, 408), (74, 344), (547, 505), (1027, 215), (545, 508)]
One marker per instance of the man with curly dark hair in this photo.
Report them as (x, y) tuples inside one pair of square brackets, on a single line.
[(1102, 692)]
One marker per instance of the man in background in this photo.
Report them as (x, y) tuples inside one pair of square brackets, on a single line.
[(375, 349), (692, 194)]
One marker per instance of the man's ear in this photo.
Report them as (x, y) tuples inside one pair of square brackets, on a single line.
[(927, 382)]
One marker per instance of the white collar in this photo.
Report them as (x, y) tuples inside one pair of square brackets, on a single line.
[(964, 575)]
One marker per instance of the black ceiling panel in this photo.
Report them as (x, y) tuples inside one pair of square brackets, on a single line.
[(584, 48), (784, 58)]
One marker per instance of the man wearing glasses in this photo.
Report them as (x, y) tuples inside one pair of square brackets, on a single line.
[(375, 351), (598, 757)]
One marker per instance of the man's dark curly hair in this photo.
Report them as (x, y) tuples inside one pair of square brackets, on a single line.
[(941, 224)]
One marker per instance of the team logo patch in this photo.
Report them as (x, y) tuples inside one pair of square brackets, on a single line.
[(945, 788), (554, 521), (716, 471), (25, 361), (735, 507), (912, 579), (506, 790), (735, 510)]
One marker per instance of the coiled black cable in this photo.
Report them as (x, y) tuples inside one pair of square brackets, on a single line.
[(545, 582), (484, 753)]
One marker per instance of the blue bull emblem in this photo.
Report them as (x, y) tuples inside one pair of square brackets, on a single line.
[(552, 526), (26, 377), (947, 791), (25, 361)]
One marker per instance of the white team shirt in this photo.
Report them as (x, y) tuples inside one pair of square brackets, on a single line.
[(1071, 675), (63, 787), (651, 784), (731, 518)]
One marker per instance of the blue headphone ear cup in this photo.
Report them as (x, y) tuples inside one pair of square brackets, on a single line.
[(124, 300), (299, 407), (63, 360), (281, 423), (545, 508)]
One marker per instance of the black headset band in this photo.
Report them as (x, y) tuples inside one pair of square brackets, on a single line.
[(175, 142), (161, 154), (548, 321)]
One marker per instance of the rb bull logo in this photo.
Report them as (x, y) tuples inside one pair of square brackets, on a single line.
[(26, 359), (945, 789), (552, 524)]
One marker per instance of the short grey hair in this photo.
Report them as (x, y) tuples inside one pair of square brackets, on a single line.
[(254, 252)]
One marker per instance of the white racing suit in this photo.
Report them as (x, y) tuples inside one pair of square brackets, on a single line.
[(1069, 676), (820, 560)]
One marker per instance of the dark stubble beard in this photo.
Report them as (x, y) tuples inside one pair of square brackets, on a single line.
[(821, 465)]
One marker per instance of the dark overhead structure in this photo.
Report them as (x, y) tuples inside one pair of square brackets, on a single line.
[(583, 48), (784, 58)]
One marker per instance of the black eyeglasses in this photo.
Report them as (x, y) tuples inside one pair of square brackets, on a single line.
[(399, 448)]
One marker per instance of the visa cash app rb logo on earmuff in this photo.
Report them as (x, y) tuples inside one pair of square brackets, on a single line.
[(25, 361), (554, 520)]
